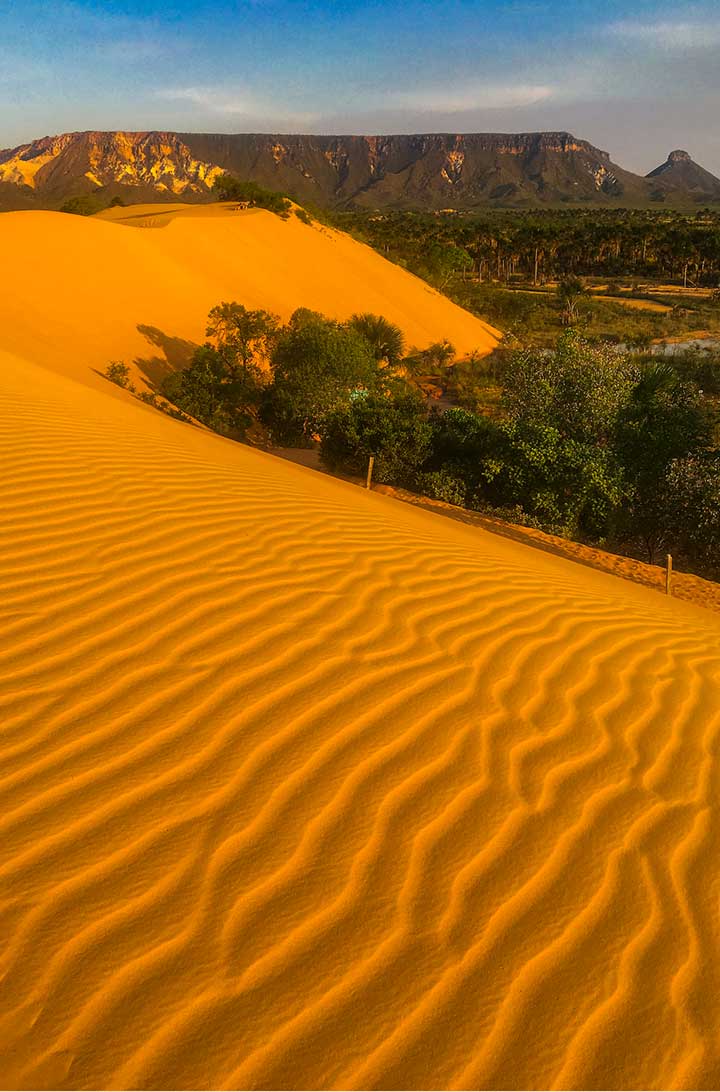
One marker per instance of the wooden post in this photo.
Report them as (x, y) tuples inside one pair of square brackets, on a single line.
[(668, 575), (370, 470)]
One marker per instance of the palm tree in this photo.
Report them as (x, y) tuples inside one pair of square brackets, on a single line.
[(569, 292), (386, 339)]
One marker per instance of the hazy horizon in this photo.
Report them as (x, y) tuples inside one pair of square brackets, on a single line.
[(637, 87)]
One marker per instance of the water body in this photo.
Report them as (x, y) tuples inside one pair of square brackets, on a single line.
[(676, 347)]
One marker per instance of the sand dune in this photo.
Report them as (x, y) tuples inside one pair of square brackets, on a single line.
[(84, 291), (301, 787)]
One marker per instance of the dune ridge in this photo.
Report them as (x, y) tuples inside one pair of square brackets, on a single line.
[(81, 291), (301, 787)]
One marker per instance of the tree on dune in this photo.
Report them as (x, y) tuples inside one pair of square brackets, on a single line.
[(250, 194), (386, 339), (243, 338), (316, 365)]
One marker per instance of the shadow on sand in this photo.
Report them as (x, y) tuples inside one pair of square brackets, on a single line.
[(176, 354)]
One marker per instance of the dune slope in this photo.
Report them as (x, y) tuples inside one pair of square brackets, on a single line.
[(301, 787), (84, 291)]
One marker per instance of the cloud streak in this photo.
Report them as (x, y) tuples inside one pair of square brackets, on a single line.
[(470, 97), (227, 102), (671, 36)]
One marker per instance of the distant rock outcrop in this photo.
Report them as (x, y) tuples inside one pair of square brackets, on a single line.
[(430, 171), (682, 173)]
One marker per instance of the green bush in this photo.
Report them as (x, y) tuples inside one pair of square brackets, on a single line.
[(317, 364), (119, 374), (83, 205), (229, 188), (394, 430)]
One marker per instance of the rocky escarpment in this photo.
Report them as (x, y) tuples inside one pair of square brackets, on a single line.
[(155, 163), (432, 171)]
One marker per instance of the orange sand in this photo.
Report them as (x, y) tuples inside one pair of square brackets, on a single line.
[(78, 289), (301, 787)]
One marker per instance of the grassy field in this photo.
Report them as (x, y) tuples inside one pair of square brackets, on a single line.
[(613, 313)]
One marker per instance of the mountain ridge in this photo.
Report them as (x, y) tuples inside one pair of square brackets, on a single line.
[(425, 170)]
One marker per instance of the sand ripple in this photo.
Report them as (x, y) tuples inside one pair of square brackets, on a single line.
[(303, 788)]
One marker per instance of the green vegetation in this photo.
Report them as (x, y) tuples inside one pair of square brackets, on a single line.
[(586, 441), (317, 365), (119, 374), (88, 204), (506, 265), (229, 188), (548, 245), (84, 205), (395, 430)]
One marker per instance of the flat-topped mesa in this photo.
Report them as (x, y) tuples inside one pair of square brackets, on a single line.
[(420, 171)]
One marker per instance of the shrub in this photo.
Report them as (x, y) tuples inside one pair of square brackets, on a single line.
[(229, 188), (316, 366), (395, 430), (83, 205), (443, 485), (119, 374)]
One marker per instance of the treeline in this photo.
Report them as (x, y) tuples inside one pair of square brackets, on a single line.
[(551, 244), (590, 443)]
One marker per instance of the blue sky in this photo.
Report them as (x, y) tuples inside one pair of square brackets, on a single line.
[(636, 81)]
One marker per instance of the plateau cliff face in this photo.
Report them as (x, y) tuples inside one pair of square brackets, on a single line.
[(431, 171), (153, 164)]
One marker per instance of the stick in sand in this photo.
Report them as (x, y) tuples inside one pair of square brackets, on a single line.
[(370, 470), (668, 575)]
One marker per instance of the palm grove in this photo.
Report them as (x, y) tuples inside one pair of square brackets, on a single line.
[(589, 443)]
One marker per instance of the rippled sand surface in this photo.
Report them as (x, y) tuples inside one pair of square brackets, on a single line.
[(301, 787)]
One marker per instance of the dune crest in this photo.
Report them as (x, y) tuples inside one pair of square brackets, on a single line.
[(301, 787), (85, 291)]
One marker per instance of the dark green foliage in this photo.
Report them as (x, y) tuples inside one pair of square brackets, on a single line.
[(578, 389), (569, 293), (556, 457), (303, 216), (431, 361), (693, 510), (229, 188), (201, 390), (444, 485), (243, 338), (461, 441), (223, 384), (385, 338), (317, 364), (84, 205), (546, 244), (395, 430), (81, 206), (663, 421), (119, 374), (569, 487), (701, 366)]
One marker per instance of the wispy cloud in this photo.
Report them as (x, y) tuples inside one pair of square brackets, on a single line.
[(669, 35), (234, 103), (474, 96)]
